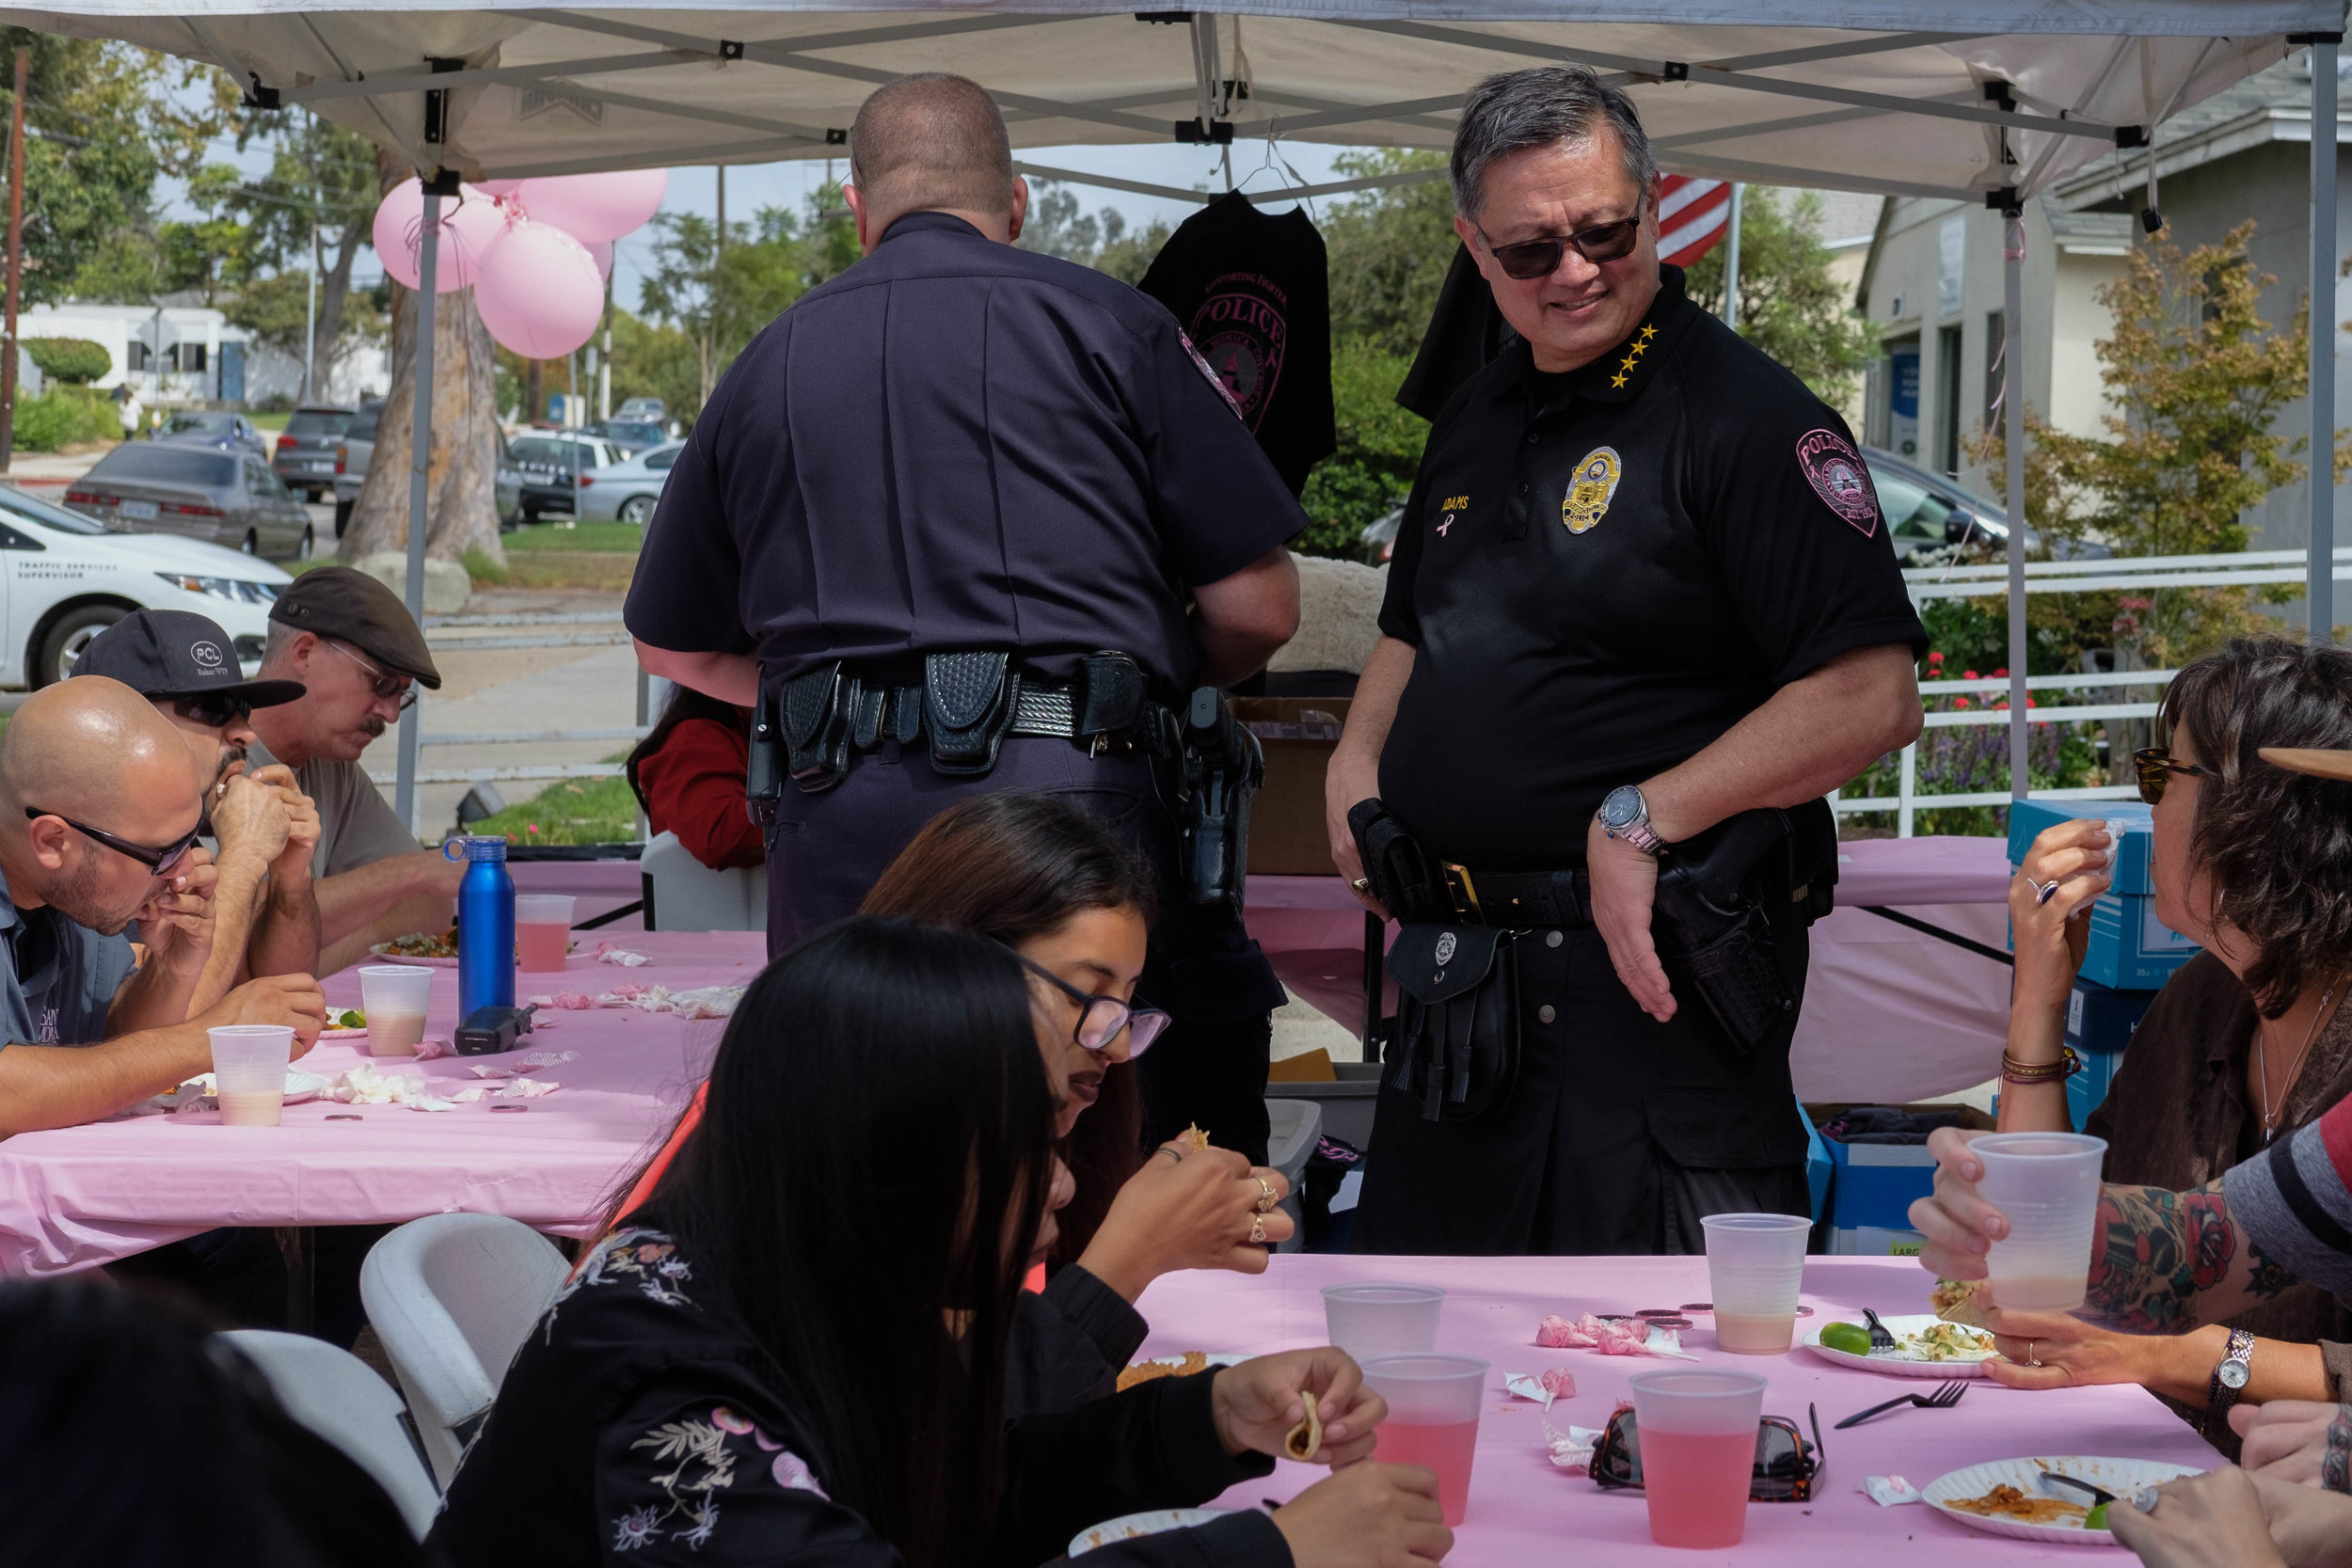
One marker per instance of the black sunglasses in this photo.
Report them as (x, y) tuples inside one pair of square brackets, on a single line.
[(1785, 1463), (213, 712), (1527, 259), (385, 685), (2156, 767), (1101, 1018), (159, 861)]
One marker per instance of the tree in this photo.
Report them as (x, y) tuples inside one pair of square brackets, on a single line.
[(320, 190), (1056, 227), (1389, 251), (1789, 305), (75, 362), (1379, 448), (719, 295)]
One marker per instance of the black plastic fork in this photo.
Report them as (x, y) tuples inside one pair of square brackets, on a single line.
[(1945, 1396)]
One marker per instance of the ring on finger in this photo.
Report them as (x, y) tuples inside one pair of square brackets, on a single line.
[(1266, 1200), (2044, 892), (1361, 884), (1176, 1155), (1257, 1230)]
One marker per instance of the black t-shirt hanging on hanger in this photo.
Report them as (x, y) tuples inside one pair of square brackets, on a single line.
[(1254, 296), (1467, 333)]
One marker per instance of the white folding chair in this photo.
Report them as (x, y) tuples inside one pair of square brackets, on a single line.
[(452, 1297), (684, 894), (340, 1398), (1294, 1125)]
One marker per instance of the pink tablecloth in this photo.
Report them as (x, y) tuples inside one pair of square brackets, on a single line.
[(1524, 1511), (84, 1196)]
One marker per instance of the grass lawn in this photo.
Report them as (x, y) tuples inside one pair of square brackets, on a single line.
[(569, 810), (560, 555)]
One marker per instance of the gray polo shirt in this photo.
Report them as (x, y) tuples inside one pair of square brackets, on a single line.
[(356, 826), (74, 973)]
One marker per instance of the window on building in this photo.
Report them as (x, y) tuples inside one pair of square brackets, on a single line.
[(1947, 404), (138, 356), (188, 357)]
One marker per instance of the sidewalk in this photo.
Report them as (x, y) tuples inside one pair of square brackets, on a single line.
[(44, 470)]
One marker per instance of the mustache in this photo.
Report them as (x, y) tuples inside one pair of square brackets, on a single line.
[(374, 726)]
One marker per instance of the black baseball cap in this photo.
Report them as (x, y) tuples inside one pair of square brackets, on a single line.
[(352, 606), (177, 652)]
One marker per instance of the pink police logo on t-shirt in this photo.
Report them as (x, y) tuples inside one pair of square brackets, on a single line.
[(1835, 472)]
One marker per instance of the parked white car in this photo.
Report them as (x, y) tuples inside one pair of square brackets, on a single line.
[(65, 577), (627, 491)]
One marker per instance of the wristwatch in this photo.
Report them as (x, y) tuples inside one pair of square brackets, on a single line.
[(2230, 1376), (1626, 816)]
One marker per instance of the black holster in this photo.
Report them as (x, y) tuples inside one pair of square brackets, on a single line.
[(1712, 919), (1222, 766), (1457, 1026), (763, 781)]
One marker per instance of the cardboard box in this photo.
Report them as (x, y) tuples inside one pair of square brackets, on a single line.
[(2029, 819), (1286, 826), (2130, 948), (1873, 1241), (2100, 1022), (1872, 1185)]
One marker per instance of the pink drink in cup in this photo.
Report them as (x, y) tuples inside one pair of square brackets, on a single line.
[(542, 931), (1697, 1432), (1434, 1399)]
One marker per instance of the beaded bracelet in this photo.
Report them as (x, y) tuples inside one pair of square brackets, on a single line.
[(2015, 1071)]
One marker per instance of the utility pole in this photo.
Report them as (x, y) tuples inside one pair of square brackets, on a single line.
[(15, 263)]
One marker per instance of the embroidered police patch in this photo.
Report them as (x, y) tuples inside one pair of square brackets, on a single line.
[(1590, 489), (1837, 476)]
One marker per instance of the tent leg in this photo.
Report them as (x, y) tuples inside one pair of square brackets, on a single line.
[(2014, 422), (2320, 588), (420, 477)]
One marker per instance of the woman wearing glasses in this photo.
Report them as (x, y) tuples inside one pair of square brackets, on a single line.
[(2248, 1043)]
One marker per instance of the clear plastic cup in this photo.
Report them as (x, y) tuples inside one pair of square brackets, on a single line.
[(250, 1072), (1697, 1435), (2047, 1186), (1381, 1320), (1434, 1402), (543, 930), (1754, 1265), (395, 998)]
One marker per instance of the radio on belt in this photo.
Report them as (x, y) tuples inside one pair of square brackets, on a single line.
[(490, 1030)]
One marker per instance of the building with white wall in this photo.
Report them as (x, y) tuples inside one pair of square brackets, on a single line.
[(172, 354)]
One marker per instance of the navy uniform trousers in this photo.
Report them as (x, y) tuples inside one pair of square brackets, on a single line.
[(1622, 1133), (826, 851)]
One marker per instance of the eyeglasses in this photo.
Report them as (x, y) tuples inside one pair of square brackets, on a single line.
[(213, 712), (1101, 1018), (158, 862), (1528, 260), (2154, 765), (1785, 1463), (383, 686)]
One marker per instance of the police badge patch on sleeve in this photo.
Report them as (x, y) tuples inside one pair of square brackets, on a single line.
[(1208, 373), (1837, 476)]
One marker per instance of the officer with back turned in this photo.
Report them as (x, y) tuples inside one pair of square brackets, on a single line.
[(1643, 616), (971, 519)]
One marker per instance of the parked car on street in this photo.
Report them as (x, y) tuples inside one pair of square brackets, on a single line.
[(64, 578), (1932, 521), (630, 435), (228, 498), (305, 457), (628, 490), (652, 410), (547, 462), (207, 428), (351, 458)]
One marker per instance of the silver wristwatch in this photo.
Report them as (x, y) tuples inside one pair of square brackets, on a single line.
[(2230, 1376), (1626, 816)]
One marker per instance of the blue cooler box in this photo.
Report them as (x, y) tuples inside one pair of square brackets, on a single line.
[(2130, 948), (1871, 1193), (2100, 1022)]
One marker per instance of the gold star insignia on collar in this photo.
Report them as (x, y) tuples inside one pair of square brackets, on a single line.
[(1627, 363), (1616, 381), (1648, 333)]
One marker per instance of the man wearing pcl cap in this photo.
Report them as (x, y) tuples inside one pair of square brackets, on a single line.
[(266, 919), (356, 654)]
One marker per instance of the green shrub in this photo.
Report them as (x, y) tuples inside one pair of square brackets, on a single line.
[(75, 362), (1379, 448), (61, 417)]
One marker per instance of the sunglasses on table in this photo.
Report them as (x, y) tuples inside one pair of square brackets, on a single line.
[(1785, 1463), (385, 685), (213, 712), (2155, 767), (1528, 260), (159, 861), (1101, 1018)]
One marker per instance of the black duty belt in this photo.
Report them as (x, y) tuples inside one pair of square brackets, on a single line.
[(1520, 897)]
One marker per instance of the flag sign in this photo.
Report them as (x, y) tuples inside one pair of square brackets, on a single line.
[(1692, 218)]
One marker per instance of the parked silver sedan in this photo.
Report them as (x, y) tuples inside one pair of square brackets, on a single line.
[(228, 497), (628, 491)]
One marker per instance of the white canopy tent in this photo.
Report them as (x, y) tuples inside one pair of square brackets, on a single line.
[(2008, 96)]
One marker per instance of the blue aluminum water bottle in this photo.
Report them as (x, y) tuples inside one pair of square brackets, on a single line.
[(485, 925)]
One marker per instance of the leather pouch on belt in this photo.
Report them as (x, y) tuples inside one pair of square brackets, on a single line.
[(816, 730), (1457, 1027), (967, 706), (1711, 925)]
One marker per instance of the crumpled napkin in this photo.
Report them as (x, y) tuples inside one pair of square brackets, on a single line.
[(698, 1002), (1571, 1450), (364, 1085), (513, 1088), (1552, 1383), (1891, 1491), (610, 952), (1624, 1336), (530, 1063)]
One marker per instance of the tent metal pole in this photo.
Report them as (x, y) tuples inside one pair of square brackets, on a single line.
[(419, 479), (2014, 442), (1731, 256), (2320, 588)]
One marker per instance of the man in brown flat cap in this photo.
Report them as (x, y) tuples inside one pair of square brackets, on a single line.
[(359, 654)]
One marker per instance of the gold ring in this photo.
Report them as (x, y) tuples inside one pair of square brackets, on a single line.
[(1257, 1230), (1361, 884), (2033, 1356), (1267, 1199)]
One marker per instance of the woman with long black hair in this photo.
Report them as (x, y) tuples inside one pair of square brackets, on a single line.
[(795, 1351)]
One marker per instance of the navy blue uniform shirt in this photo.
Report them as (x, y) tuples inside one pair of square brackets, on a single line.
[(1604, 570), (957, 444)]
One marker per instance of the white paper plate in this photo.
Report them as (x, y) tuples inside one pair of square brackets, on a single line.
[(1129, 1526), (299, 1088), (405, 958), (2122, 1476), (1901, 1363), (343, 1033)]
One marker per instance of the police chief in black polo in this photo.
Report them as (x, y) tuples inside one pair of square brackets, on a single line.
[(1643, 615), (960, 448)]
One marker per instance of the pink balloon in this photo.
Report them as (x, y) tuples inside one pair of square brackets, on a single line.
[(596, 206), (470, 224), (538, 291), (602, 251)]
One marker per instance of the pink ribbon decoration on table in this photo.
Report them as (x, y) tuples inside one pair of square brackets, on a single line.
[(1622, 1336)]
